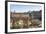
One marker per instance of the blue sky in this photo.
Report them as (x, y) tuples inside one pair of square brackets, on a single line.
[(24, 8)]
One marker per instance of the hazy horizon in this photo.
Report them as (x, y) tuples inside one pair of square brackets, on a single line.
[(24, 8)]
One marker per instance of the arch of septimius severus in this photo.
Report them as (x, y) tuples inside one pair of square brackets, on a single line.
[(21, 18)]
